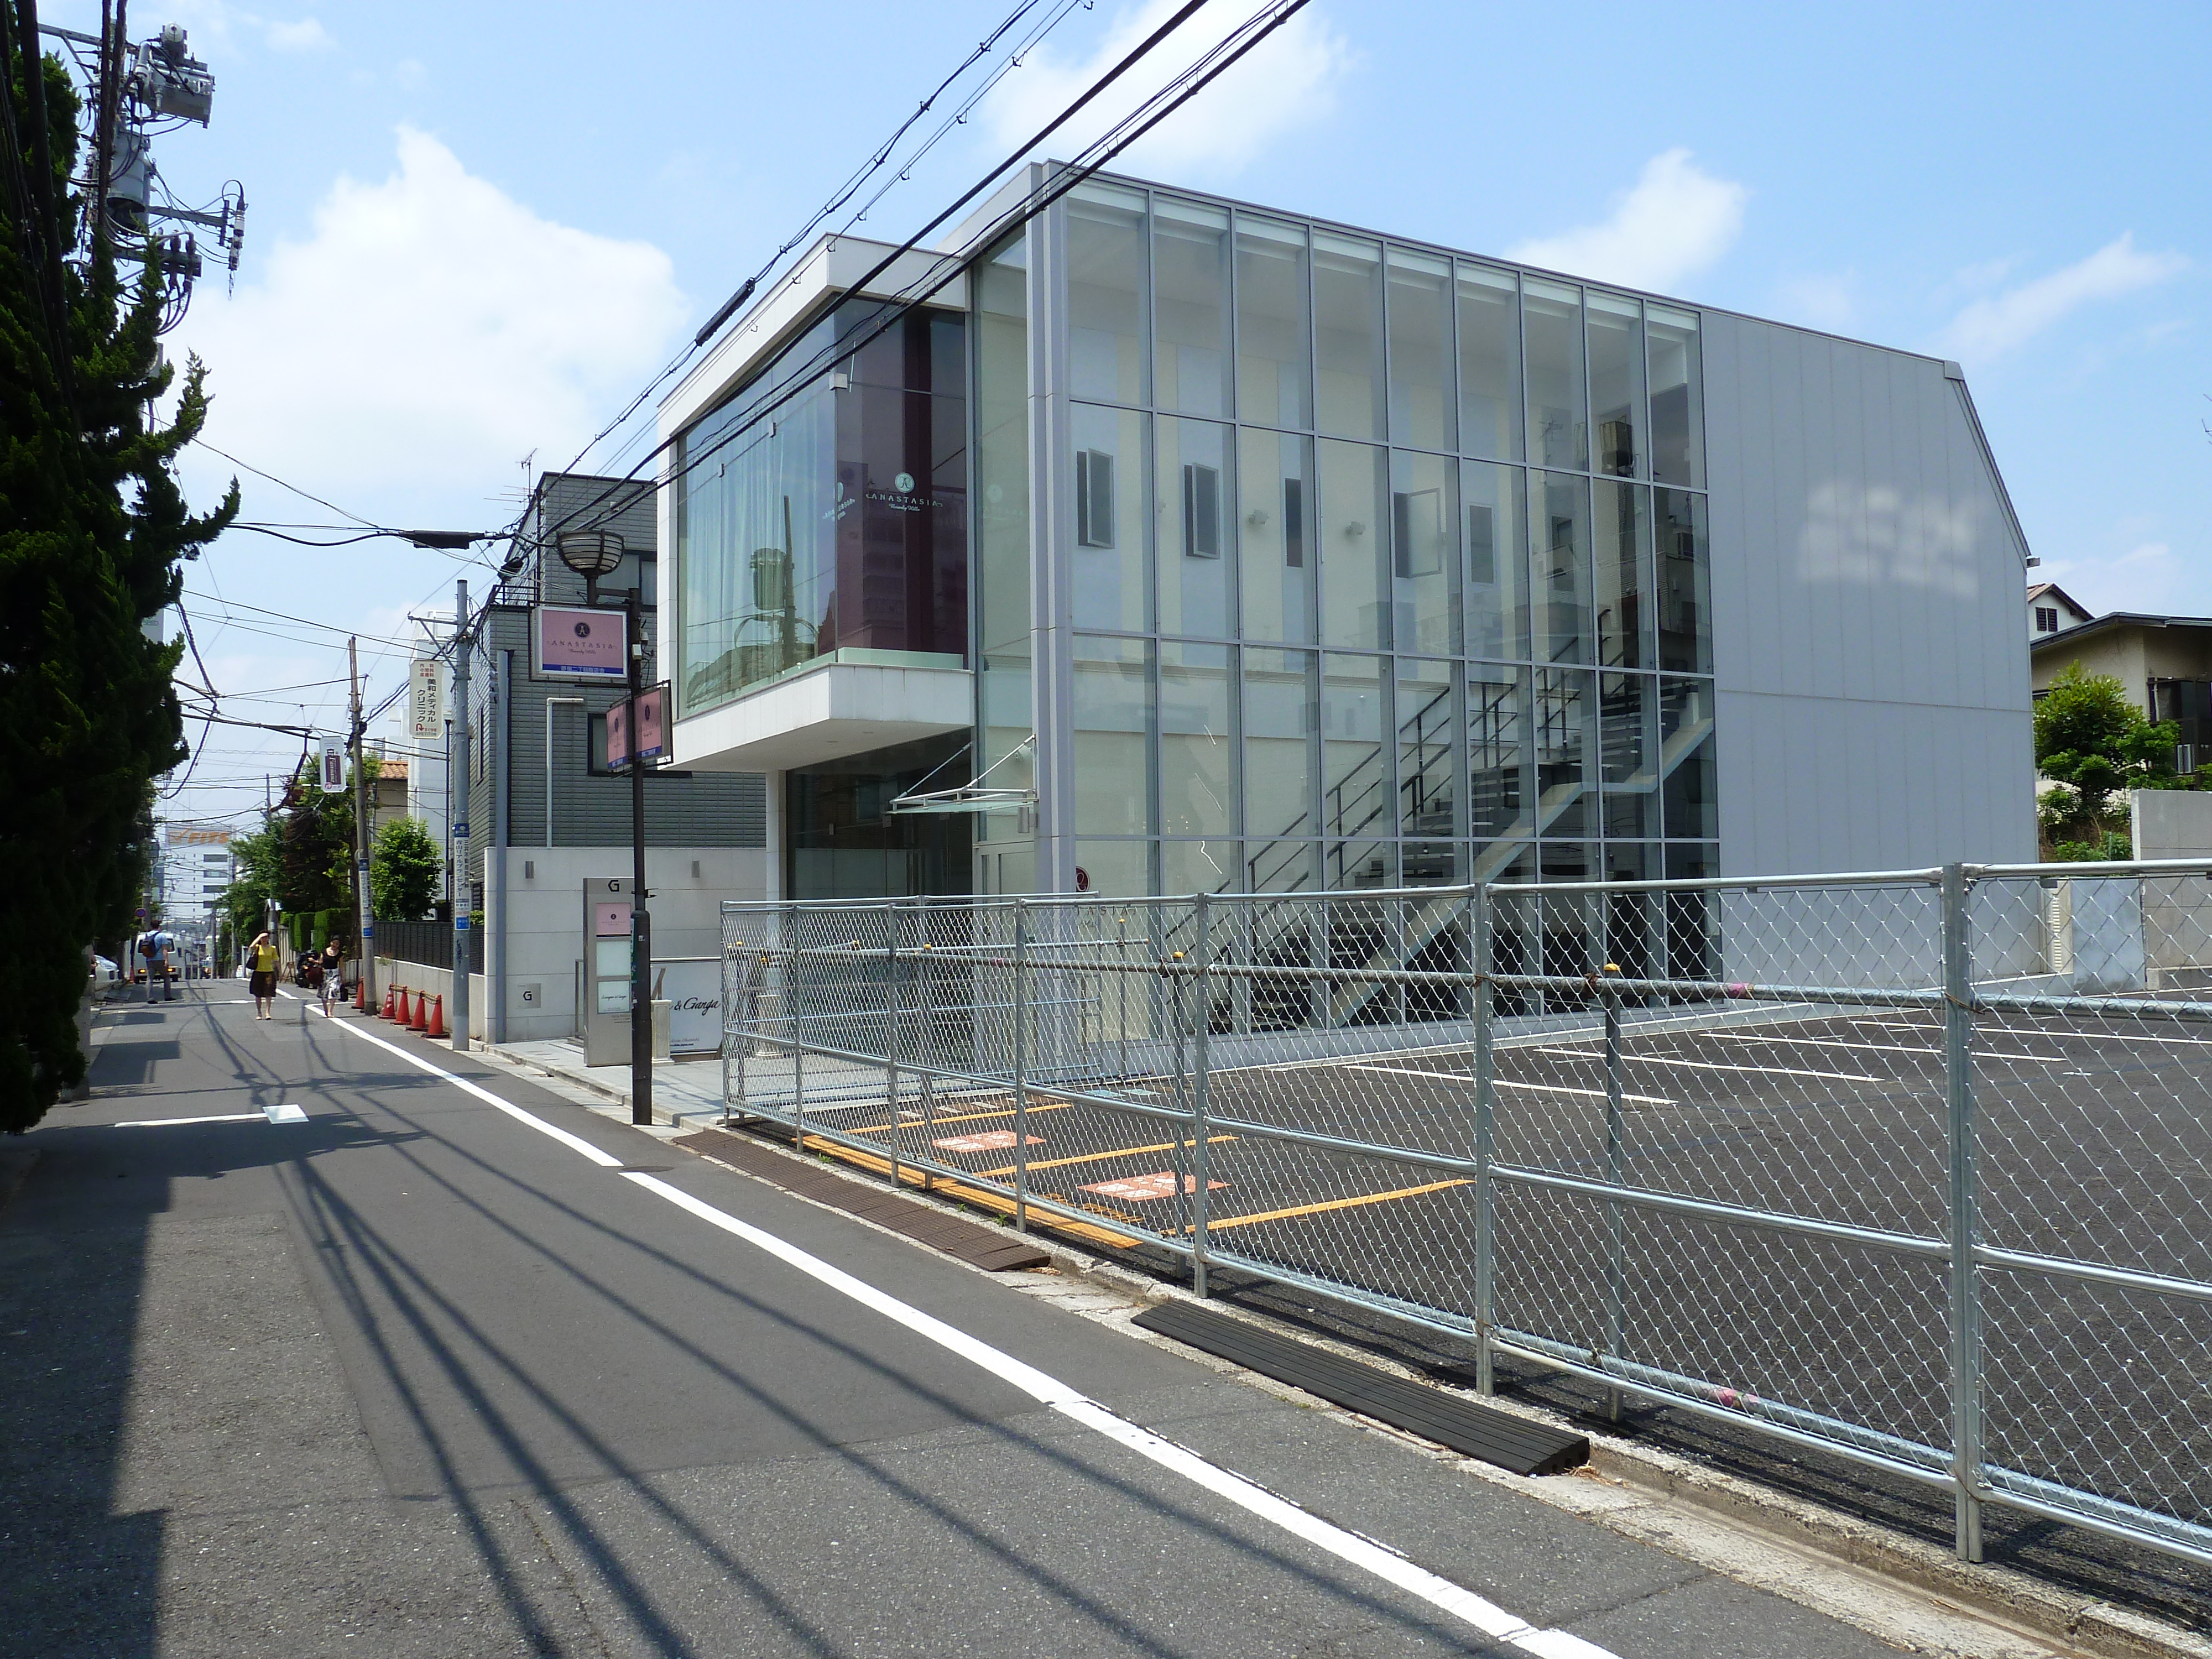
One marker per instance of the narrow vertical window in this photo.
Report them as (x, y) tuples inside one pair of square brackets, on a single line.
[(1094, 498), (1294, 523), (1201, 511)]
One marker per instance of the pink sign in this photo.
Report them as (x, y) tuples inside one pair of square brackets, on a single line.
[(653, 723), (1160, 1184), (618, 736), (991, 1140), (610, 919), (579, 645)]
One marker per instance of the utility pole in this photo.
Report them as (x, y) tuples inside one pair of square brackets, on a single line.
[(640, 924), (361, 896), (458, 785)]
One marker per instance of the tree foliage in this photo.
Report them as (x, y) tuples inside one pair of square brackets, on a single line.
[(91, 526), (404, 866), (2089, 738)]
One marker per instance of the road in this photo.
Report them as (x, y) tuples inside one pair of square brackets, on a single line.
[(456, 1366)]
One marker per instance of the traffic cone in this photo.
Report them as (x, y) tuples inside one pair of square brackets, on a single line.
[(390, 991), (421, 1020), (438, 1019), (361, 996)]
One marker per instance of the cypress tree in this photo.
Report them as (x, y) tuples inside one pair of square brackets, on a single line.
[(93, 527)]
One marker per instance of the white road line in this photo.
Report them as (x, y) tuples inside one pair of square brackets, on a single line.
[(1715, 1066), (2052, 1034), (1461, 1603), (1884, 1048), (167, 1122), (1508, 1083)]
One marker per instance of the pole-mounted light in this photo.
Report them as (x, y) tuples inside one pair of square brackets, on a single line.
[(591, 554)]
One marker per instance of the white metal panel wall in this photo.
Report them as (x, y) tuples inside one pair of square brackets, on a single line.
[(1872, 682)]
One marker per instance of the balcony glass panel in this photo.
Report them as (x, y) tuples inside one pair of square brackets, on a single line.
[(1274, 329), (1558, 512), (1110, 562), (1198, 744), (1274, 525), (1190, 306), (1686, 629), (1495, 613), (1424, 551), (1357, 791), (1194, 505), (1498, 760), (1689, 789), (1489, 363), (1565, 715), (1281, 718), (1354, 543), (1678, 422), (1113, 720), (1424, 411), (1616, 381), (1628, 747), (1559, 435), (1348, 334), (1201, 866), (1428, 752), (1106, 290), (1621, 534)]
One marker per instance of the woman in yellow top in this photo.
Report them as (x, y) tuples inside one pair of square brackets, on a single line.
[(261, 961)]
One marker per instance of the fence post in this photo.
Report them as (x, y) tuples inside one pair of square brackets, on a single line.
[(729, 1006), (892, 998), (1965, 1278), (924, 1006), (1121, 956), (790, 957), (1203, 1022), (1485, 1381), (1021, 1064), (1616, 1251)]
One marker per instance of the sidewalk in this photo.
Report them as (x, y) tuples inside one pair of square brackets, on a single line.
[(688, 1093)]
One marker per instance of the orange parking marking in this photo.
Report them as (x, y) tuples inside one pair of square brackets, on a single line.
[(1161, 1183), (981, 1198)]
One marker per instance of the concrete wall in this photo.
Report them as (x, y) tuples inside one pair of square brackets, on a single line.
[(545, 918), (1872, 679), (2170, 824)]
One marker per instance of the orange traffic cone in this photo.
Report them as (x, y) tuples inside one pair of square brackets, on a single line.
[(390, 991), (421, 1022), (361, 996), (437, 1019)]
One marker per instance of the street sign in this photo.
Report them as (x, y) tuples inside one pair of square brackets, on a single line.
[(652, 723), (576, 644), (618, 736), (425, 699), (334, 768)]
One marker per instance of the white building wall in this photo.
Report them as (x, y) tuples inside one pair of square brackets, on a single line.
[(546, 919), (1871, 678)]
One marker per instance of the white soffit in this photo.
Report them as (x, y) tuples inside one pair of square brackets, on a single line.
[(827, 713)]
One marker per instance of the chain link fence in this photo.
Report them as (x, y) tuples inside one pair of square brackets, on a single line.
[(1914, 1168)]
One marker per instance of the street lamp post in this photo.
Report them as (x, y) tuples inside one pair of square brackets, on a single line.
[(592, 554)]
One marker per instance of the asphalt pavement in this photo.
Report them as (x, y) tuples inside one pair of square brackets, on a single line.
[(447, 1364)]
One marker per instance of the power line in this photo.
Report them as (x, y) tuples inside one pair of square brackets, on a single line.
[(1162, 103)]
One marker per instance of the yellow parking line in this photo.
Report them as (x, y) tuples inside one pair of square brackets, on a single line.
[(981, 1198), (964, 1117), (1335, 1204), (1095, 1158)]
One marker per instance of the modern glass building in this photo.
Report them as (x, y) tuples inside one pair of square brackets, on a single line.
[(1178, 544)]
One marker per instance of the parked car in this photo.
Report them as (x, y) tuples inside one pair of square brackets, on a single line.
[(108, 972)]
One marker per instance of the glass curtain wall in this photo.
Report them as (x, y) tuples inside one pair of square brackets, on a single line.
[(1389, 566)]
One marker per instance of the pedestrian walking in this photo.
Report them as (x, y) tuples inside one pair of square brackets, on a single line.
[(155, 948), (261, 959), (333, 971)]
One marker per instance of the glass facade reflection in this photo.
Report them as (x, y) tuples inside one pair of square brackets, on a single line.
[(837, 521), (1389, 566)]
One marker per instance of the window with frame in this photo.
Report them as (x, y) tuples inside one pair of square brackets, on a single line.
[(2046, 619)]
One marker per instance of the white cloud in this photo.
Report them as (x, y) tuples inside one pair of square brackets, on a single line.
[(1288, 81), (1676, 220), (305, 35), (2148, 553), (1991, 326), (428, 333)]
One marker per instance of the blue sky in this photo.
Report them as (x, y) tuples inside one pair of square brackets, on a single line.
[(475, 231)]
